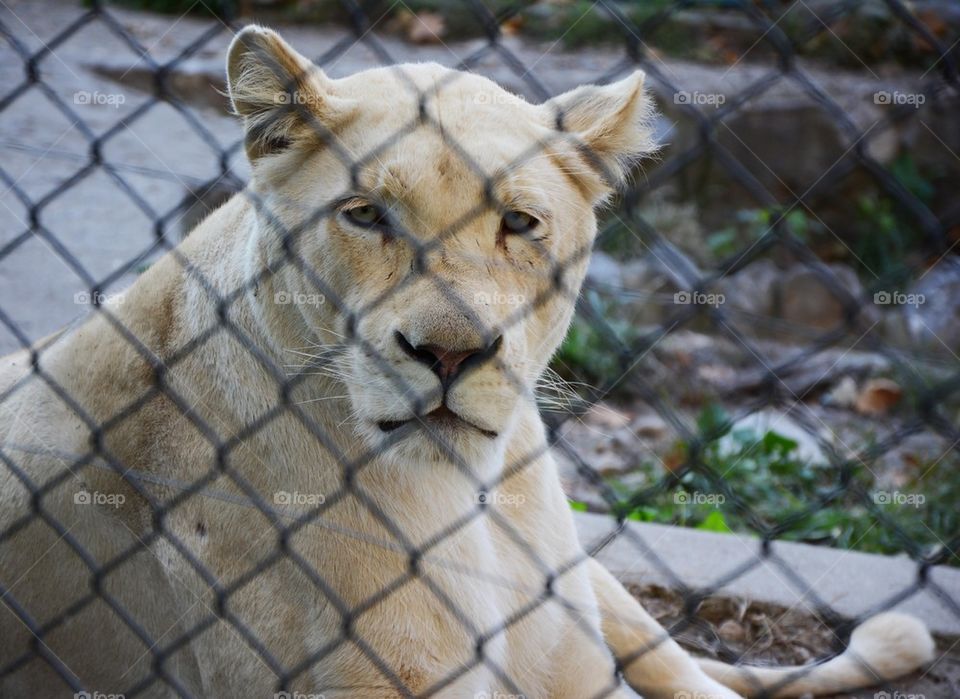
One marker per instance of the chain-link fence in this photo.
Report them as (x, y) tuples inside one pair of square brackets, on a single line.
[(407, 338)]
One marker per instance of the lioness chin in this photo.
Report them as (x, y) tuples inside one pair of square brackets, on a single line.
[(302, 451)]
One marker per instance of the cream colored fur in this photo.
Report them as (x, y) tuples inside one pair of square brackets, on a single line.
[(176, 385)]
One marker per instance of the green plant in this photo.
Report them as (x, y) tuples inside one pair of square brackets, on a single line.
[(740, 480), (751, 225), (887, 234), (591, 354)]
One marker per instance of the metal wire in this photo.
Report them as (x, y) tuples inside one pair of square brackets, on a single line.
[(770, 374)]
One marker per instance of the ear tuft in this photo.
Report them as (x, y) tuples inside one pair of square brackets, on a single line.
[(281, 96), (611, 124)]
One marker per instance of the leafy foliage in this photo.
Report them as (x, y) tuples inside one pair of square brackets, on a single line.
[(591, 352), (887, 233), (744, 481)]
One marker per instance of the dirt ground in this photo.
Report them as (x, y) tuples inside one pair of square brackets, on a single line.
[(766, 634)]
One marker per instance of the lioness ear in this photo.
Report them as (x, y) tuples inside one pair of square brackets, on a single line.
[(612, 123), (279, 93)]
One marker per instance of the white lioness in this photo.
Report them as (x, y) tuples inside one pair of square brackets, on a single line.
[(271, 450)]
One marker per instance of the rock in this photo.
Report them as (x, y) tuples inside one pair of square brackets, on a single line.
[(925, 454), (878, 396), (821, 371), (756, 134), (650, 296), (426, 28), (575, 485), (932, 307), (680, 224), (895, 328), (603, 416), (807, 300), (717, 374), (844, 394), (731, 631), (649, 426), (607, 463), (639, 274), (926, 139), (696, 343), (755, 289), (808, 447)]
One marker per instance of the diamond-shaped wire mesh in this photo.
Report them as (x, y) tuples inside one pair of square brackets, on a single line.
[(177, 523)]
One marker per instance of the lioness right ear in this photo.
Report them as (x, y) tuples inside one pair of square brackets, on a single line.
[(612, 126), (281, 95)]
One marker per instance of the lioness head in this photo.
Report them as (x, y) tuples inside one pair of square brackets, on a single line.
[(431, 226)]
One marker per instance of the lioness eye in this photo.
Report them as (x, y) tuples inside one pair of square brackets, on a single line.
[(367, 215), (518, 222)]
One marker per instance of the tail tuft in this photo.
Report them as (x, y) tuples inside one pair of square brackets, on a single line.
[(882, 648), (893, 644)]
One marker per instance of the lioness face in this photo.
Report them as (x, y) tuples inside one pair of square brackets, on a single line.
[(449, 220)]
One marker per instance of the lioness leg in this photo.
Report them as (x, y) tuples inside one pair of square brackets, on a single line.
[(653, 663)]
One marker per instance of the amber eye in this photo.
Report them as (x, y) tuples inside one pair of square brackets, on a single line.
[(518, 222), (366, 216)]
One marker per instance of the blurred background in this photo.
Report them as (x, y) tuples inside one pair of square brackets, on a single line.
[(769, 338)]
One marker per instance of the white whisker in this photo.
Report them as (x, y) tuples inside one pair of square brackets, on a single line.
[(322, 398)]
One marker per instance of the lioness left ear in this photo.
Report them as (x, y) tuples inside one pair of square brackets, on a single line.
[(612, 123), (281, 95)]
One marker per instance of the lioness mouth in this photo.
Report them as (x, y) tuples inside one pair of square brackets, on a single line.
[(441, 415)]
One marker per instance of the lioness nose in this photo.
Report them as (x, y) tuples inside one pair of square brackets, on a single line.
[(447, 363)]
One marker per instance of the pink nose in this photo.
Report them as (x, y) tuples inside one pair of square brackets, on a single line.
[(446, 363)]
